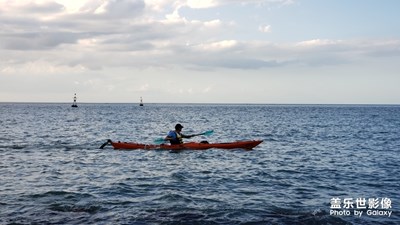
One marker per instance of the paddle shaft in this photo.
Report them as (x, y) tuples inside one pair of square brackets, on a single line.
[(207, 133), (106, 143)]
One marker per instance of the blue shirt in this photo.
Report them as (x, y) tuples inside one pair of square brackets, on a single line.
[(176, 138)]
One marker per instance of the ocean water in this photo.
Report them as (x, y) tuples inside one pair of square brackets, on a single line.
[(313, 157)]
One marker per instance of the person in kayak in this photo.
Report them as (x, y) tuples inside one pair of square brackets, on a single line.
[(175, 136)]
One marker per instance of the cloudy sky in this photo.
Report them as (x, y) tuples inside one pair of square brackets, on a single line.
[(200, 51)]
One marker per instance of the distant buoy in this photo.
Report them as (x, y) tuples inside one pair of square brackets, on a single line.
[(74, 103), (141, 102)]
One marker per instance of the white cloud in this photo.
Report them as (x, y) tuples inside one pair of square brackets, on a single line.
[(38, 67), (144, 87), (138, 47), (264, 28), (213, 23), (198, 4), (208, 89), (75, 6), (97, 34), (318, 43), (217, 46)]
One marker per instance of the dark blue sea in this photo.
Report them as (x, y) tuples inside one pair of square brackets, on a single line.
[(318, 164)]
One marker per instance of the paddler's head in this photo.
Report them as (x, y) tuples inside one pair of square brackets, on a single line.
[(178, 127)]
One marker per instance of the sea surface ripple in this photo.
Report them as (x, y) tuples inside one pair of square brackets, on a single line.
[(53, 172)]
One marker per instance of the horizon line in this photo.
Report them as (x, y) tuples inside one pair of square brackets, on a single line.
[(194, 103)]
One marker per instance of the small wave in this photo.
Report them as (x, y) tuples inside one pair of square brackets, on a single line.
[(87, 208), (16, 146), (60, 196), (172, 198), (64, 194)]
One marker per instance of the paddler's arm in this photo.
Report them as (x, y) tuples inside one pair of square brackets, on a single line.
[(168, 138), (188, 136)]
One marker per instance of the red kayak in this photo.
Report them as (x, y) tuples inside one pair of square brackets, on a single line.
[(248, 145)]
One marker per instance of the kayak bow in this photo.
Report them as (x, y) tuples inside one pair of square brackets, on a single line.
[(248, 145)]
